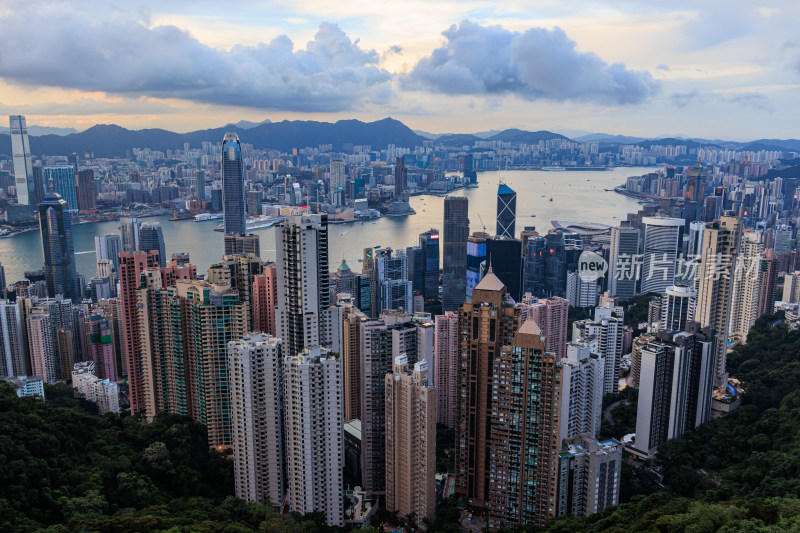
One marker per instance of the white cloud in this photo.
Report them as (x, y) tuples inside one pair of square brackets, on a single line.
[(59, 46), (536, 64)]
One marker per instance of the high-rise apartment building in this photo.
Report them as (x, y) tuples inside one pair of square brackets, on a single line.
[(131, 267), (410, 440), (623, 271), (393, 334), (768, 274), (663, 239), (581, 376), (523, 440), (200, 185), (239, 271), (101, 391), (23, 163), (446, 368), (675, 386), (551, 315), (589, 476), (242, 244), (394, 288), (791, 288), (303, 288), (233, 186), (101, 347), (87, 190), (607, 330), (265, 300), (256, 387), (746, 286), (486, 324), (506, 211), (338, 180), (55, 225), (314, 433), (352, 321), (677, 308), (454, 252), (42, 346), (714, 299), (13, 345)]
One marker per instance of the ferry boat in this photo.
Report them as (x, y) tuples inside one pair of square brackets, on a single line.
[(260, 222), (202, 217), (553, 169)]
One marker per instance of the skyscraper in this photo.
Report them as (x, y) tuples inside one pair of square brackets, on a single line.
[(87, 190), (607, 332), (454, 256), (62, 180), (400, 178), (108, 247), (13, 353), (200, 185), (301, 244), (476, 259), (265, 300), (42, 345), (131, 267), (233, 186), (523, 441), (746, 286), (446, 368), (506, 211), (677, 308), (623, 273), (551, 315), (151, 237), (410, 440), (23, 163), (488, 323), (504, 254), (714, 298), (534, 249), (338, 177), (129, 231), (55, 225), (428, 284), (312, 402), (101, 347), (394, 288), (663, 238), (256, 385)]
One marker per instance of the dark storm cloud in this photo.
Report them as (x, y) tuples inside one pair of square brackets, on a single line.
[(60, 47), (536, 64)]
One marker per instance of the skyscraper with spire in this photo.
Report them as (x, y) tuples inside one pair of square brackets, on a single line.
[(55, 225), (233, 199)]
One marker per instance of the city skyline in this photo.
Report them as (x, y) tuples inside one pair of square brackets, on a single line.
[(677, 69)]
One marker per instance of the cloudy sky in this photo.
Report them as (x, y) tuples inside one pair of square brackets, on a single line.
[(717, 69)]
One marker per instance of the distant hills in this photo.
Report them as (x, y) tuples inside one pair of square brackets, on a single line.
[(43, 130), (108, 140)]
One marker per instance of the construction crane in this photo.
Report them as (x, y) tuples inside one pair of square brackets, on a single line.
[(482, 224)]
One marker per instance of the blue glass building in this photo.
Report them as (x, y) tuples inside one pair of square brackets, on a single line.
[(233, 194), (55, 224), (64, 184)]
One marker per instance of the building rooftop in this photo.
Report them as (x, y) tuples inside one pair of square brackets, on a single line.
[(490, 282)]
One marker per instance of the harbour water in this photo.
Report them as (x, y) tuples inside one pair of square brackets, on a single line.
[(576, 197)]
